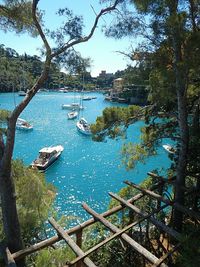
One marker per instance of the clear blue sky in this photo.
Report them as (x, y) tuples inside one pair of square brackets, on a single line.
[(100, 49)]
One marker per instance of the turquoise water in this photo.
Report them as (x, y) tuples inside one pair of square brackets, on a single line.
[(86, 170)]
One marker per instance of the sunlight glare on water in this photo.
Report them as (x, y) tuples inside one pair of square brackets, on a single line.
[(86, 170)]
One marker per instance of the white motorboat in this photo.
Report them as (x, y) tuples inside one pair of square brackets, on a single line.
[(83, 127), (75, 106), (170, 149), (21, 93), (72, 115), (47, 156), (23, 125)]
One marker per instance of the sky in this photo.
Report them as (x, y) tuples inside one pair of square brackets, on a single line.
[(100, 49)]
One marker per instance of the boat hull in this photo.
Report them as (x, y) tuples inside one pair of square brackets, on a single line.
[(45, 167), (24, 128), (84, 130)]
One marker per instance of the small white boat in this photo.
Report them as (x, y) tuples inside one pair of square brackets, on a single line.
[(21, 93), (83, 127), (72, 115), (76, 106), (108, 98), (47, 156), (86, 98), (170, 149), (23, 125)]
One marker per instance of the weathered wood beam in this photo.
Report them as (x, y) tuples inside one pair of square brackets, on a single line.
[(149, 193), (175, 205), (79, 235), (165, 256), (141, 213), (52, 240), (164, 180), (102, 243), (6, 255), (136, 246), (10, 262), (71, 242)]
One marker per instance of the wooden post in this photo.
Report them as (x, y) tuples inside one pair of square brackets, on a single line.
[(71, 242), (6, 256), (10, 261), (79, 244)]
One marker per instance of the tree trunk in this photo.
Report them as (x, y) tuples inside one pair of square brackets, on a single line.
[(182, 160), (11, 224), (180, 71), (8, 201)]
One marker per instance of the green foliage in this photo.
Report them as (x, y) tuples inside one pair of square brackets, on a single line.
[(133, 153), (34, 199), (4, 115), (114, 121), (19, 72), (16, 15), (3, 120), (190, 251), (50, 257)]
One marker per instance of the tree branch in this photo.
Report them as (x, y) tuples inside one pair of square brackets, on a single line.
[(86, 38), (38, 26)]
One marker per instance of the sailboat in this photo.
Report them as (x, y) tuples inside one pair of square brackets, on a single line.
[(73, 106), (82, 125)]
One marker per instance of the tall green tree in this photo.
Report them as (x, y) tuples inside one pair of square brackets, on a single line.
[(67, 37), (172, 27)]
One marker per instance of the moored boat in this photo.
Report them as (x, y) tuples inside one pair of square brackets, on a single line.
[(47, 156), (170, 149), (76, 106), (21, 93), (86, 98), (72, 115), (108, 98), (83, 127), (23, 125)]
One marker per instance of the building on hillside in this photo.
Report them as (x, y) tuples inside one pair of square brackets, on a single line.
[(105, 75), (117, 89), (104, 80), (132, 94)]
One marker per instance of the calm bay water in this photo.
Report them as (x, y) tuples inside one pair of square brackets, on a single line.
[(86, 170)]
